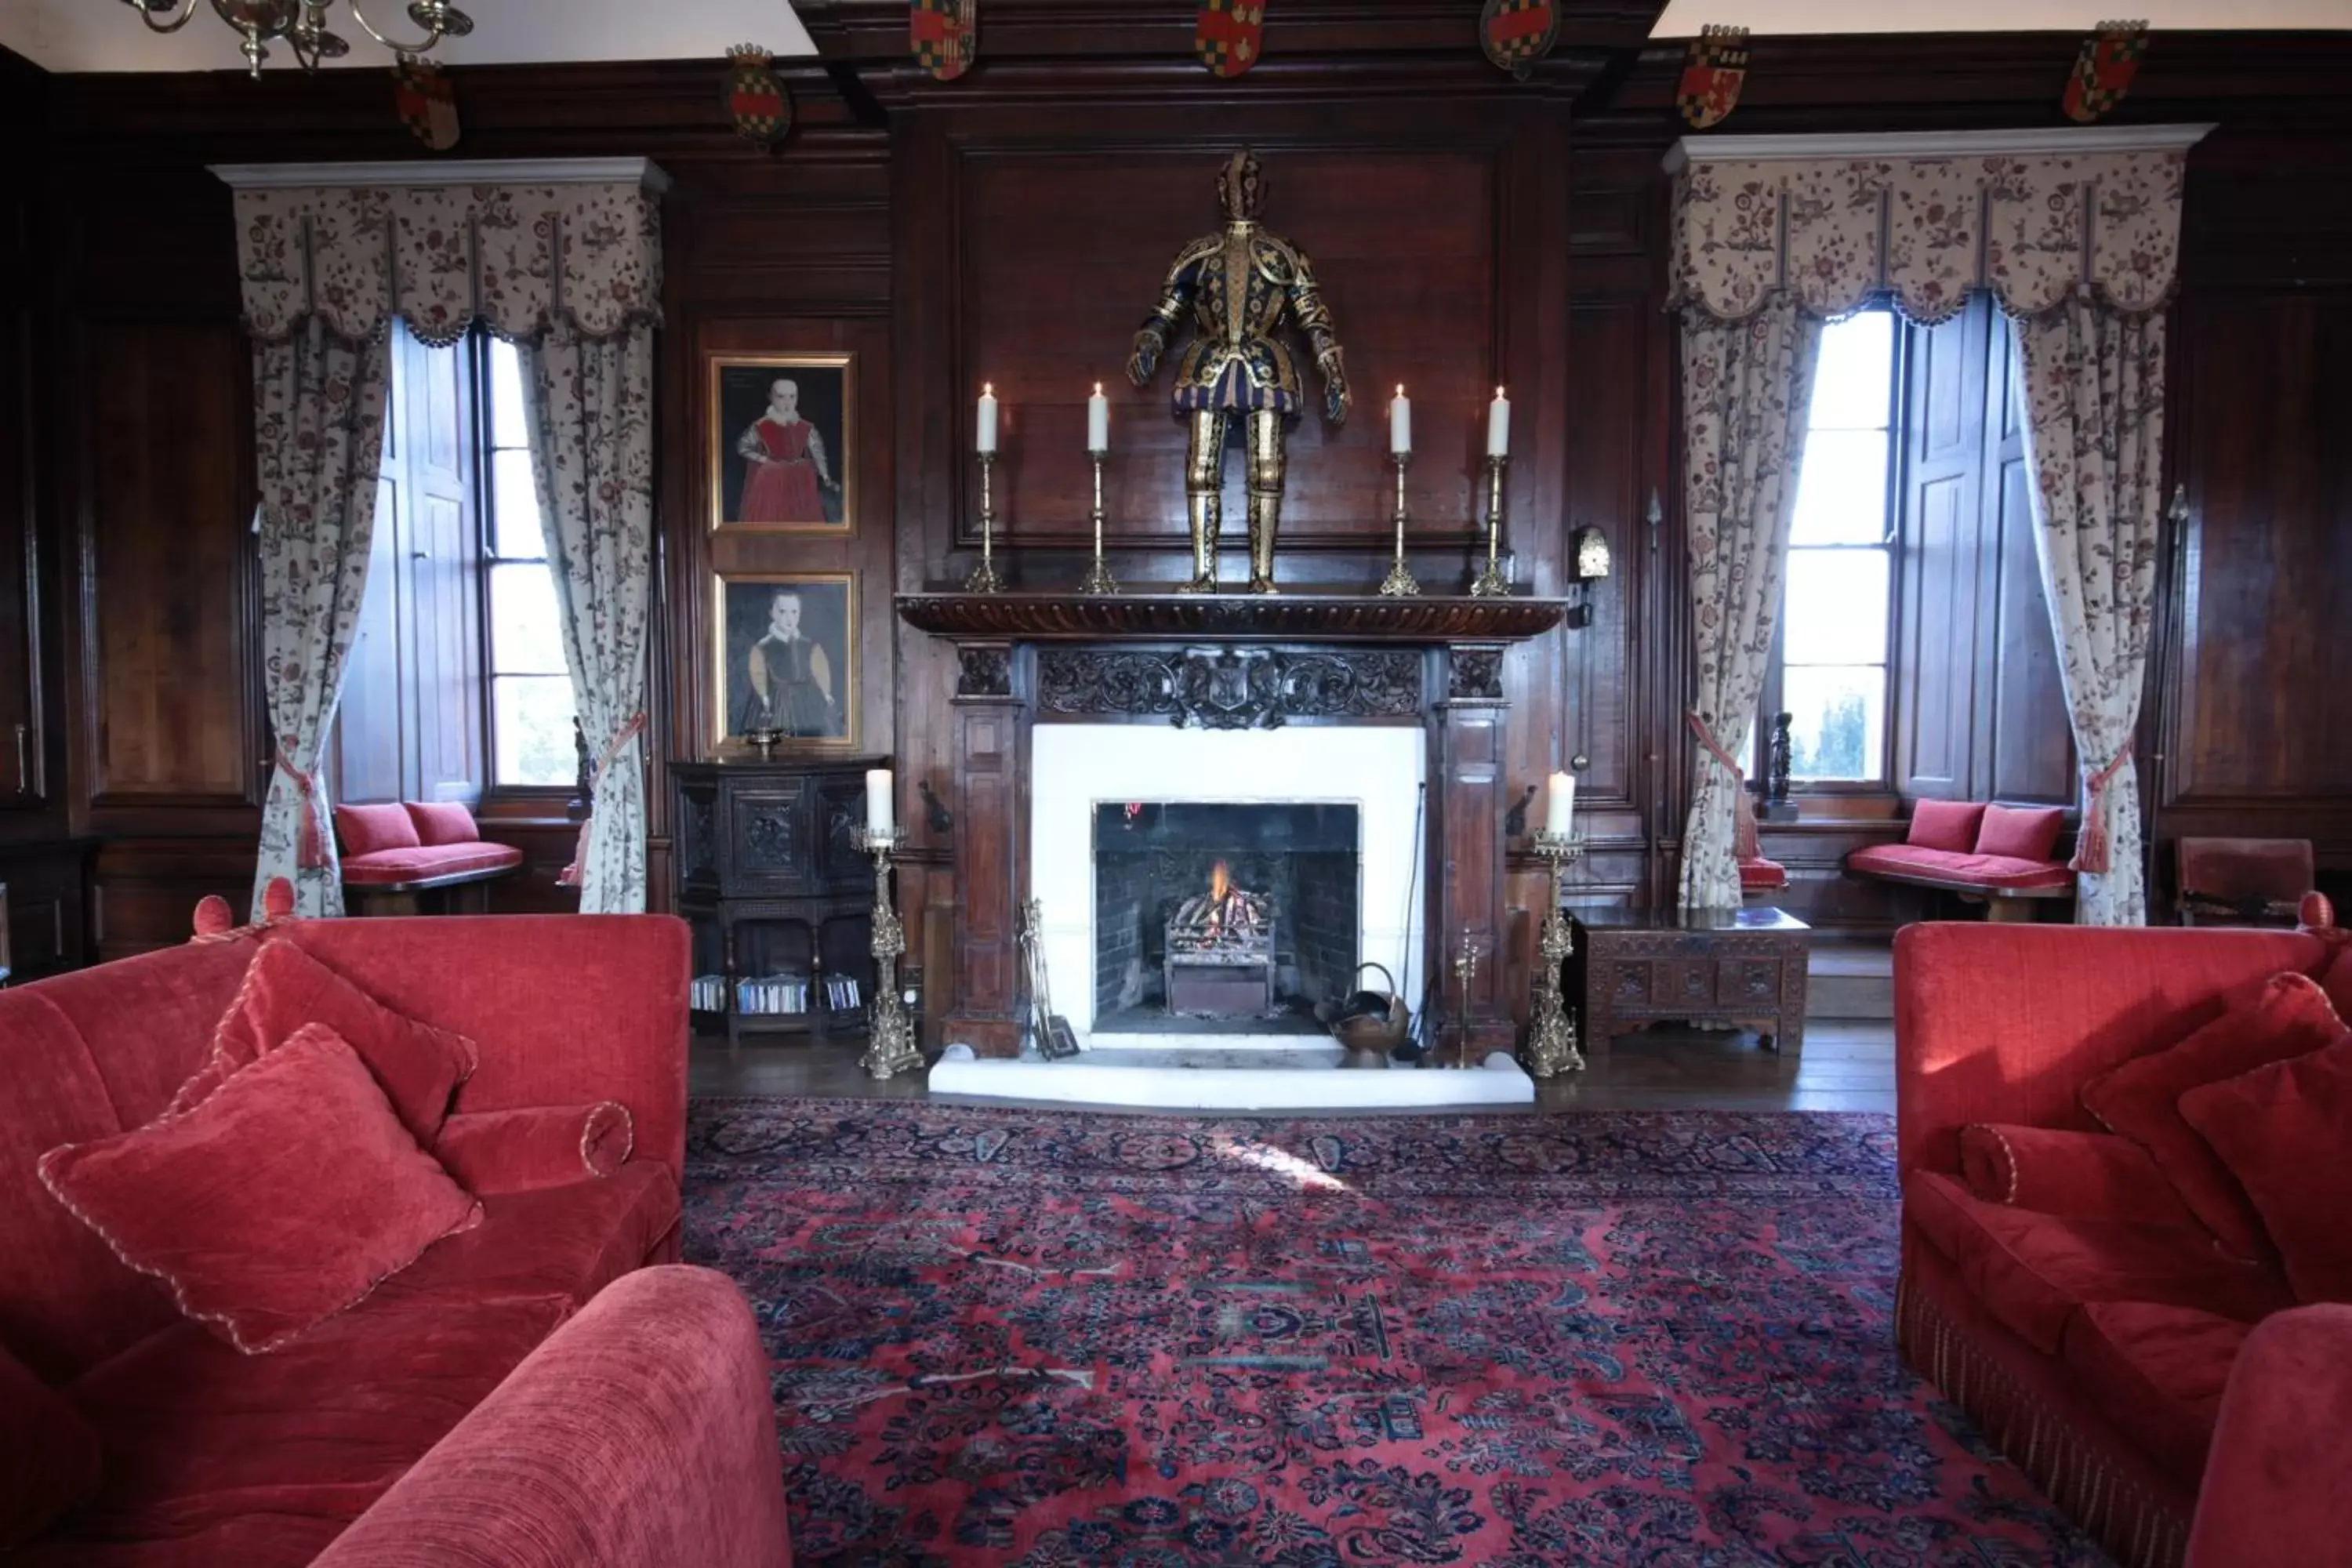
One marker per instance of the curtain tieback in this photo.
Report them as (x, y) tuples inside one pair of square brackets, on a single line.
[(1743, 810), (2091, 846), (571, 874), (309, 844)]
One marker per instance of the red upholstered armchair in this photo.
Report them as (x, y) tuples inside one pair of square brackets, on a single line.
[(2111, 1351)]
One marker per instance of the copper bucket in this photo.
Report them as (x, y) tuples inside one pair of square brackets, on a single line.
[(1371, 1020)]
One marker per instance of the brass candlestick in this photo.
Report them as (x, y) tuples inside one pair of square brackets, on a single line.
[(985, 578), (1489, 583), (1399, 583), (1098, 579), (1551, 1033), (1466, 971), (890, 1048)]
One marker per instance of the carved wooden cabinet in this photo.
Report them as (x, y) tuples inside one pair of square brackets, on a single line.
[(1632, 968), (771, 879)]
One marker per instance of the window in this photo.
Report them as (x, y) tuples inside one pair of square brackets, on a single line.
[(1832, 676), (530, 689)]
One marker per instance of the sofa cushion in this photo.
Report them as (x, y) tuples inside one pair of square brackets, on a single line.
[(2157, 1373), (566, 1242), (2033, 1270), (49, 1455), (364, 830), (2283, 1016), (396, 866), (442, 822), (1945, 825), (2020, 832), (419, 1066), (540, 1146), (264, 1459), (2285, 1131), (2097, 1175), (2335, 978), (282, 1198), (1759, 875), (1998, 872)]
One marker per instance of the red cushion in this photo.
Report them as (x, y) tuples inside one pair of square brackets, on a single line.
[(419, 1066), (543, 1146), (49, 1455), (1993, 872), (282, 1198), (2336, 979), (2157, 1373), (2286, 1132), (2061, 1171), (1758, 875), (432, 860), (2283, 1015), (2034, 1270), (364, 830), (1945, 825), (566, 1242), (2020, 832), (441, 822)]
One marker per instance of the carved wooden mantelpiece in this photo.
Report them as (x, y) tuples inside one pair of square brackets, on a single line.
[(1230, 687), (1274, 617)]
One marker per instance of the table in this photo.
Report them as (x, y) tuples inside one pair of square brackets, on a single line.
[(1744, 966)]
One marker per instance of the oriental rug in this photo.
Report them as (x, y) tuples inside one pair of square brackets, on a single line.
[(1053, 1337)]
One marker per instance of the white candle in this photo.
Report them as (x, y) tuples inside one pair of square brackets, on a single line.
[(1098, 421), (987, 418), (1400, 423), (1560, 807), (1498, 426), (878, 813)]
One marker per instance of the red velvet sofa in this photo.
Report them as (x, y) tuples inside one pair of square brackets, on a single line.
[(2113, 1352), (528, 1394)]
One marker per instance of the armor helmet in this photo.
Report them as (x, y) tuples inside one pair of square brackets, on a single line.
[(1241, 186)]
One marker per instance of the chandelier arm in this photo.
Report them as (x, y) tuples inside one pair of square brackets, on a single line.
[(431, 37), (148, 16)]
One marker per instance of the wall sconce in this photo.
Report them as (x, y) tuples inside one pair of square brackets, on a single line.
[(1587, 561)]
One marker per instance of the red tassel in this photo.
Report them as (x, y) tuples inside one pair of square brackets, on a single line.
[(2090, 847)]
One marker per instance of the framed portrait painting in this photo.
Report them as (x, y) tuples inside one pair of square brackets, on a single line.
[(785, 648), (784, 455)]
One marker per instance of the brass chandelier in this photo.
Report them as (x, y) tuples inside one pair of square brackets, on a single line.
[(303, 24)]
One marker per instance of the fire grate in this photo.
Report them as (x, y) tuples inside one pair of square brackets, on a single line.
[(1220, 959)]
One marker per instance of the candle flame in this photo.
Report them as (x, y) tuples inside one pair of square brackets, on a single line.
[(1498, 393), (987, 389), (1399, 389), (1099, 389)]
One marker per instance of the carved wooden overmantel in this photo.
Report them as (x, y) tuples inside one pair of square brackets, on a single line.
[(1227, 662)]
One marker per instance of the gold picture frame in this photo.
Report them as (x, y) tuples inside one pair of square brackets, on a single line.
[(812, 697), (807, 483)]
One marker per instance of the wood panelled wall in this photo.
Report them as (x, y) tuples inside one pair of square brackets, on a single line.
[(1011, 226)]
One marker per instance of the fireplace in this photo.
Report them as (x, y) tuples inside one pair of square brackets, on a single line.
[(1223, 910)]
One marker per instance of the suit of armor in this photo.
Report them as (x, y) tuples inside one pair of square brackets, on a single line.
[(1238, 286)]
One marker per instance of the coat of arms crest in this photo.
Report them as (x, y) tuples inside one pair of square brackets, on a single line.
[(942, 33), (1516, 34), (1230, 34), (762, 108), (2104, 70), (1712, 76), (426, 100)]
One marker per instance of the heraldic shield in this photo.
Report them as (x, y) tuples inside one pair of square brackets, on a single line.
[(1230, 34), (1516, 34), (1712, 76), (426, 100), (2104, 70), (761, 111), (941, 31)]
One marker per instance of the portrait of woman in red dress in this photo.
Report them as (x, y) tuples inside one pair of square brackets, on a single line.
[(786, 468)]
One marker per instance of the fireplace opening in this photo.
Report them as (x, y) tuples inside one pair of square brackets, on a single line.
[(1221, 913)]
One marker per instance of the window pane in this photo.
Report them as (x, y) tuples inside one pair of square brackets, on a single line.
[(1838, 724), (531, 722), (1842, 490), (1853, 380), (508, 415), (524, 635), (1835, 608), (514, 507)]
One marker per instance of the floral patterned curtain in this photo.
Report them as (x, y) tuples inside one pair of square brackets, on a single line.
[(592, 453), (1748, 389), (319, 431)]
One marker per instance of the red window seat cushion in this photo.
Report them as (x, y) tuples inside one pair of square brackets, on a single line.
[(393, 866), (441, 822), (1945, 825), (367, 829), (2157, 1373), (1758, 875), (1995, 873)]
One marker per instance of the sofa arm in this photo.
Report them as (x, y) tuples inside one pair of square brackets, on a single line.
[(640, 1433), (2275, 1491)]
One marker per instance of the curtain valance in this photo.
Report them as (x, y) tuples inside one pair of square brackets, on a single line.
[(521, 247), (1927, 220)]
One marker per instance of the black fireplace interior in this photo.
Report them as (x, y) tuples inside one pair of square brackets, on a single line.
[(1153, 859)]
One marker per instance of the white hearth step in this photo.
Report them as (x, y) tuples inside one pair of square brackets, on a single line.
[(1217, 1072)]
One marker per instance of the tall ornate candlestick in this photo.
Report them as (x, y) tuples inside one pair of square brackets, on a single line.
[(1399, 583), (985, 578), (1551, 1033), (890, 1048), (1098, 579), (1465, 972), (1489, 583)]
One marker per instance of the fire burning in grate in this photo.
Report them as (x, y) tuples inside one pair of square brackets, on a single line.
[(1225, 921)]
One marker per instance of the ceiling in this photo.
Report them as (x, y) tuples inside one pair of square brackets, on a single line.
[(104, 34)]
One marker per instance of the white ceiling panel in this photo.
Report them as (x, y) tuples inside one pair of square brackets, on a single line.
[(1683, 18)]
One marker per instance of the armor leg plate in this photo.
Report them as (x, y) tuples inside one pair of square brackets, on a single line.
[(1204, 464), (1265, 495)]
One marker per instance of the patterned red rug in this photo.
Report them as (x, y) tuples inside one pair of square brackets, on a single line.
[(1051, 1337)]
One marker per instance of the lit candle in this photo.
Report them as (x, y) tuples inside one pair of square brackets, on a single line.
[(1498, 426), (1098, 421), (1400, 424), (878, 813), (987, 418), (1560, 807)]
